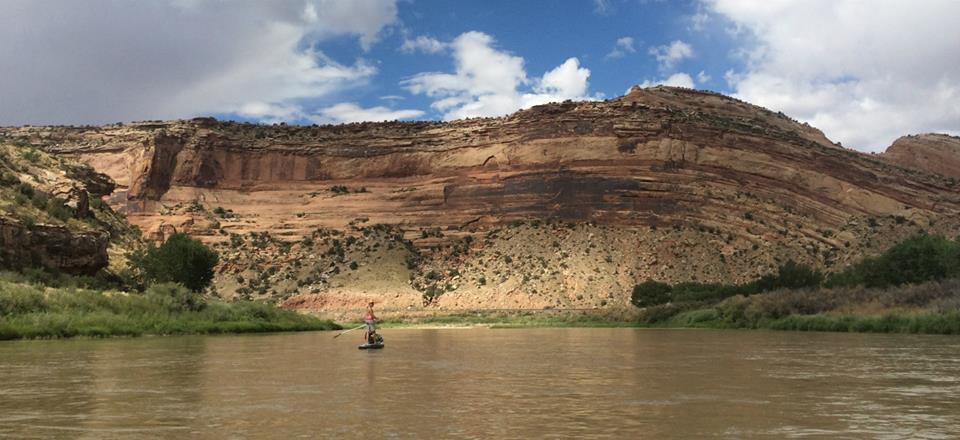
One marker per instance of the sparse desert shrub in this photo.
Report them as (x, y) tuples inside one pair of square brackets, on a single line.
[(26, 189), (31, 155), (58, 210), (9, 179)]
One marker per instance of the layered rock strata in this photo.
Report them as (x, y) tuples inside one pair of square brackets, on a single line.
[(670, 184)]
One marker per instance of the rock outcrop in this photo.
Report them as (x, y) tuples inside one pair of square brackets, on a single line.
[(565, 204), (52, 246), (930, 153), (51, 213)]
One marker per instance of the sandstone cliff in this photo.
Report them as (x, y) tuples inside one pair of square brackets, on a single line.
[(566, 204), (932, 153), (51, 214)]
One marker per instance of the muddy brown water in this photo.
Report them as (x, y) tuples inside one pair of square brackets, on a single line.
[(485, 384)]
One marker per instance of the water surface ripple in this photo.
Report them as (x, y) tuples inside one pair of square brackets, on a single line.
[(485, 384)]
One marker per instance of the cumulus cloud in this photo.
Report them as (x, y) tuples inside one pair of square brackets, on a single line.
[(487, 81), (698, 21), (423, 44), (623, 46), (864, 72), (676, 80), (669, 55), (703, 77), (602, 7), (105, 61), (351, 112)]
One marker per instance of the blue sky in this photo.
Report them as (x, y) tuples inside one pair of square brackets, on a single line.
[(863, 72), (544, 37)]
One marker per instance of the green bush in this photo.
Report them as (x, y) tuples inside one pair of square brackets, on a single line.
[(31, 155), (26, 189), (915, 260), (58, 210), (9, 179), (790, 276), (650, 293), (691, 292), (19, 299), (180, 259), (175, 297)]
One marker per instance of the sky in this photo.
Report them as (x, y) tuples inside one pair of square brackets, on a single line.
[(864, 72)]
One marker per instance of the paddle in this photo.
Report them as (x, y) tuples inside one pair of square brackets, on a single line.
[(348, 331)]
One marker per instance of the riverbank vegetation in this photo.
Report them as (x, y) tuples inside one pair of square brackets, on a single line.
[(609, 317), (914, 287), (163, 298), (37, 311)]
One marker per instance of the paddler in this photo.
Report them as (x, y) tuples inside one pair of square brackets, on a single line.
[(370, 319)]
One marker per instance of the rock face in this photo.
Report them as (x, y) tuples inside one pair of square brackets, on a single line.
[(49, 215), (931, 153), (567, 204), (52, 246)]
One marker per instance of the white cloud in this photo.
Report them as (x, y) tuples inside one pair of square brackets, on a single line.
[(566, 81), (676, 80), (698, 21), (703, 77), (423, 44), (364, 18), (92, 62), (670, 54), (864, 72), (270, 113), (623, 46), (349, 112), (602, 7), (486, 81)]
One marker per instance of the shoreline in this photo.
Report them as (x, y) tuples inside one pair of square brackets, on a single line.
[(889, 321)]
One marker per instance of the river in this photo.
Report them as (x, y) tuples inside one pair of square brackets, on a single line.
[(485, 384)]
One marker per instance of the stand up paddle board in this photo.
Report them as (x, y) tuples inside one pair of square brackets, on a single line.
[(375, 342)]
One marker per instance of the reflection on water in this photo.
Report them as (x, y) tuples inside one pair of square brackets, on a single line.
[(480, 383)]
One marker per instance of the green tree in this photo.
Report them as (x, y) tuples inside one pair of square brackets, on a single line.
[(180, 259), (790, 276), (650, 293), (915, 260)]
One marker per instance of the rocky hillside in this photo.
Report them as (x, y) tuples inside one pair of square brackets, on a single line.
[(561, 205), (52, 215), (931, 153)]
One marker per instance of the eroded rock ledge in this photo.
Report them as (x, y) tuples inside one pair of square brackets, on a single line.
[(681, 184)]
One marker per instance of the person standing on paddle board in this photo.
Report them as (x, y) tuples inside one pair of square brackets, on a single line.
[(371, 320)]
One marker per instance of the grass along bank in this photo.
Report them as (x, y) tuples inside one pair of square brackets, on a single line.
[(510, 318), (36, 311), (914, 287), (932, 307)]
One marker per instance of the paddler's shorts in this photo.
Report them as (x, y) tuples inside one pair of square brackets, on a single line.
[(371, 325)]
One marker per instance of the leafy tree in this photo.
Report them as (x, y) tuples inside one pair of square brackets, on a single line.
[(180, 259), (915, 260), (650, 293), (791, 276)]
